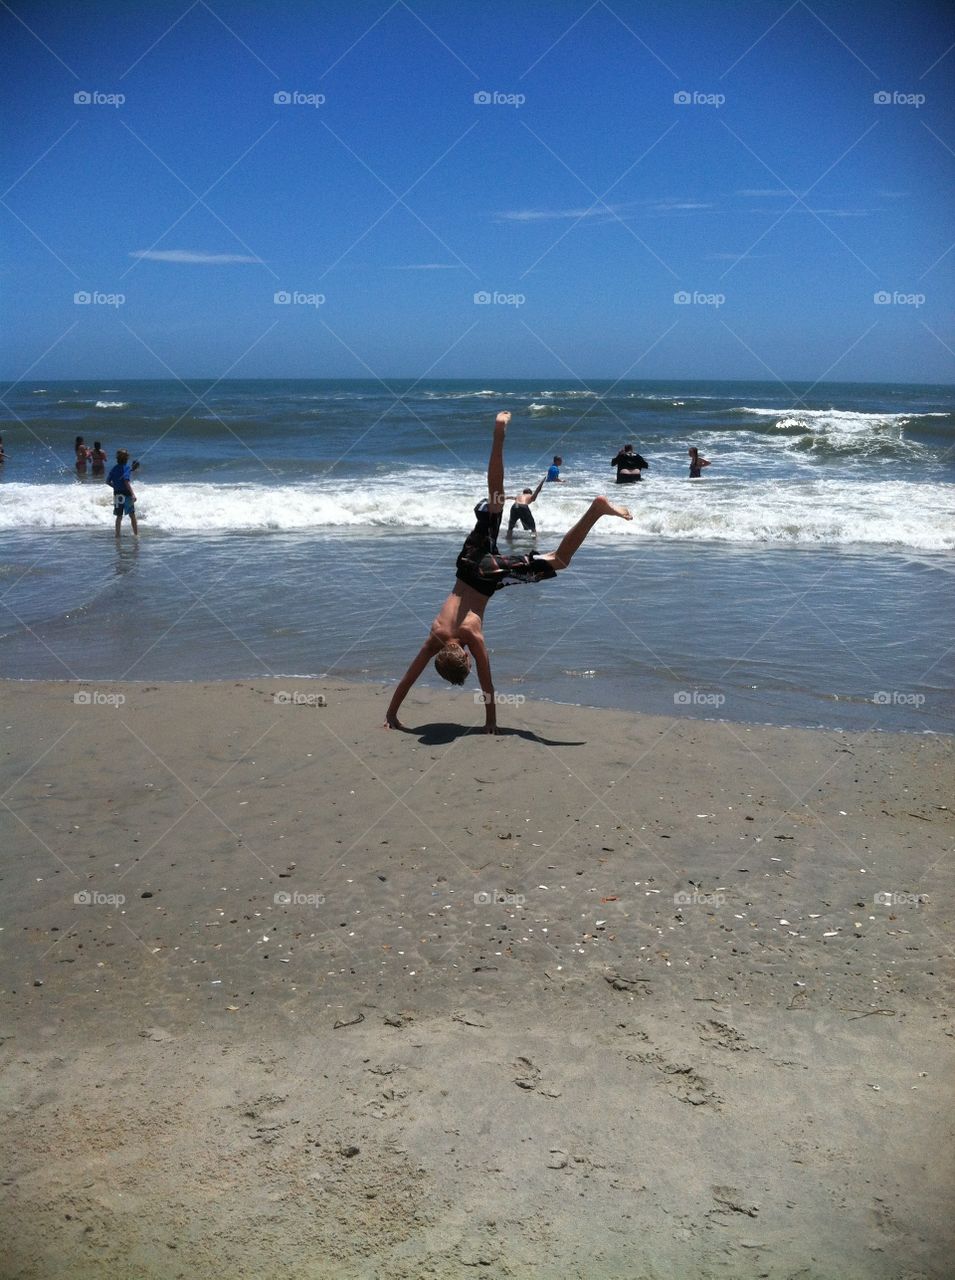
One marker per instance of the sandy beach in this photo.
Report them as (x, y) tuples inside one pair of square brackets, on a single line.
[(604, 996)]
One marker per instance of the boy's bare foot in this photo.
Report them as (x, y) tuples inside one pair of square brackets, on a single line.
[(606, 508)]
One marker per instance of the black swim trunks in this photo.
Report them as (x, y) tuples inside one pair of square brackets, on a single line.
[(482, 568), (628, 467), (520, 511)]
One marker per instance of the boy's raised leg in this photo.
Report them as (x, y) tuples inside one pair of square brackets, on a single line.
[(495, 465)]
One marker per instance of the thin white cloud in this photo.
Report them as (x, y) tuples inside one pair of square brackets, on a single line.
[(680, 206), (429, 266), (191, 256), (604, 213), (839, 213), (599, 211), (829, 213), (751, 192)]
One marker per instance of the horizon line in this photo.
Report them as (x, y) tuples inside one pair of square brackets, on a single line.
[(395, 377)]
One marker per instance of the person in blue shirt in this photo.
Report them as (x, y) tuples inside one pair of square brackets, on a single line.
[(124, 500), (553, 471)]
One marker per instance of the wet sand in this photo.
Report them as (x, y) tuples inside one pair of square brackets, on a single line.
[(605, 996)]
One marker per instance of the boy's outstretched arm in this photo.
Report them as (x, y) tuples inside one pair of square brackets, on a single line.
[(537, 492), (483, 664), (427, 651)]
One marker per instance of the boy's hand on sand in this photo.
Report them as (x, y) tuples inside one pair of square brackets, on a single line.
[(392, 722)]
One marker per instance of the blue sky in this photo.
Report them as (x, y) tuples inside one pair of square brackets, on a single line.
[(776, 203)]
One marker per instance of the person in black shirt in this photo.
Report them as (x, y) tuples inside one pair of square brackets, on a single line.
[(629, 465)]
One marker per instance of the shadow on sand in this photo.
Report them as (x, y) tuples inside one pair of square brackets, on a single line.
[(437, 734)]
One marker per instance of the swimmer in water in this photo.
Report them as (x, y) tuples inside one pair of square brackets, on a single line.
[(629, 465), (697, 463), (98, 459), (521, 510)]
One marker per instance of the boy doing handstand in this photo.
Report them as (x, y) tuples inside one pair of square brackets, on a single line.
[(457, 634)]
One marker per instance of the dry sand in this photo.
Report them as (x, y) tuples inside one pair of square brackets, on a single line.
[(480, 1034)]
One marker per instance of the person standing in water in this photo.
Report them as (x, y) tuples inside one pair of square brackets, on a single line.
[(82, 455), (629, 465), (124, 499), (521, 510), (697, 463), (553, 471), (98, 459)]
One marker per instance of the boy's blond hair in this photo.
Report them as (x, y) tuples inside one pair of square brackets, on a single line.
[(452, 664)]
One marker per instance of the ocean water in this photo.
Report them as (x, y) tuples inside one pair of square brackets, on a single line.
[(311, 528)]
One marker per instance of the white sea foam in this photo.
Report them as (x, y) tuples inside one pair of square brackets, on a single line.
[(887, 513), (111, 404), (466, 395), (834, 419)]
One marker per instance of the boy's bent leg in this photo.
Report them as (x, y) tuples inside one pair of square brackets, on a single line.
[(574, 537)]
